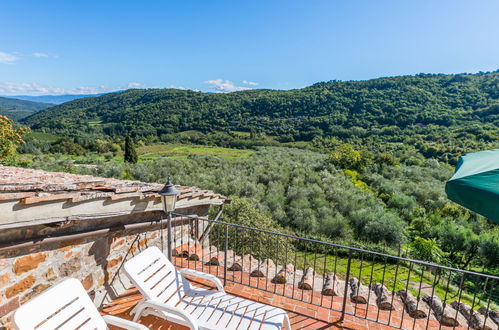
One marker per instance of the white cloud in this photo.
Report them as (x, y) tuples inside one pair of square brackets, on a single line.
[(44, 55), (224, 86), (9, 58), (34, 89), (134, 85), (177, 87), (11, 88), (250, 83), (6, 58), (38, 54)]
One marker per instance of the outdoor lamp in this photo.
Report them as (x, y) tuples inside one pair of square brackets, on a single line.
[(169, 197)]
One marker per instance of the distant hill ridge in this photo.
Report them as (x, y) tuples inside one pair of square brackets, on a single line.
[(323, 109), (17, 109), (54, 99)]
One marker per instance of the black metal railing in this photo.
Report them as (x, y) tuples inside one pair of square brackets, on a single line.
[(371, 285)]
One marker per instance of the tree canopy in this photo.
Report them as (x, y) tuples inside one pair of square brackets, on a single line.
[(10, 138), (130, 152)]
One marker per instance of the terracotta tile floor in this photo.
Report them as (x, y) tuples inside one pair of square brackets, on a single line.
[(302, 314)]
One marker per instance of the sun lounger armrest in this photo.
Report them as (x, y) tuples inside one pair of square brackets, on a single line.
[(122, 323), (212, 278), (170, 309)]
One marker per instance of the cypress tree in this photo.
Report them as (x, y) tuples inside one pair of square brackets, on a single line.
[(130, 153)]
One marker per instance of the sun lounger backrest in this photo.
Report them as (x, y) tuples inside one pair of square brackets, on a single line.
[(63, 306), (156, 277)]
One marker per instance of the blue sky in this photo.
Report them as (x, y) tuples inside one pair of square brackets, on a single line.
[(56, 47)]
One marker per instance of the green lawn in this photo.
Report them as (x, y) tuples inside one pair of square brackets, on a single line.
[(296, 144), (389, 275), (183, 151), (95, 122), (175, 151), (190, 133), (46, 137), (240, 133)]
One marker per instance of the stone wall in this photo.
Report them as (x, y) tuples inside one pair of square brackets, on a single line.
[(95, 260)]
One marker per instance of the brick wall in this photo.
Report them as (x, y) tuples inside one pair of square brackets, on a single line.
[(95, 260)]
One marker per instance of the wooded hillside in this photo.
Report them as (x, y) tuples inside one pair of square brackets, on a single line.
[(18, 109), (439, 114)]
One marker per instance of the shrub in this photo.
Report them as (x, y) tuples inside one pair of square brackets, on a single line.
[(10, 138), (261, 245)]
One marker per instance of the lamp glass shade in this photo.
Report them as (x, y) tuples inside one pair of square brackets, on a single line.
[(169, 196), (169, 202)]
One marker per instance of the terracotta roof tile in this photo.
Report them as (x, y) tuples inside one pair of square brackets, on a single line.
[(33, 186), (93, 195), (128, 195), (11, 196), (46, 198)]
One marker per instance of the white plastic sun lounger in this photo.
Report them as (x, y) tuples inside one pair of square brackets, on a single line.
[(66, 306), (167, 294)]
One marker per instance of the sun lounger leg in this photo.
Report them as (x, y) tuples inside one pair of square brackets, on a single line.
[(286, 322), (134, 309)]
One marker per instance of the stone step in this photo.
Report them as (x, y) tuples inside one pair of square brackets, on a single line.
[(218, 259), (384, 296), (416, 309), (264, 268), (208, 253), (443, 313), (490, 313), (283, 274), (359, 292), (187, 250), (235, 263), (307, 281), (249, 263), (475, 319), (331, 284)]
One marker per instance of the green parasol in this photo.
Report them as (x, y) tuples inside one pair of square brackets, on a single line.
[(475, 184)]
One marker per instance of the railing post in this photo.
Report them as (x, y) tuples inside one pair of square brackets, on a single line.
[(169, 236), (347, 279), (162, 240), (225, 254)]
